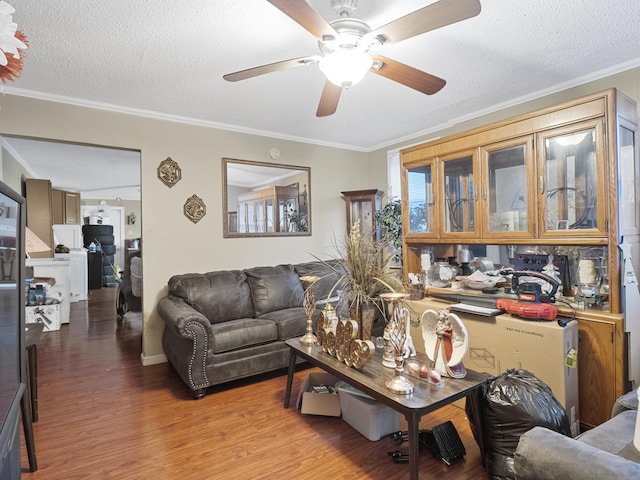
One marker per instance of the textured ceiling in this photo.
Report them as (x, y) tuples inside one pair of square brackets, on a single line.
[(167, 58), (95, 172)]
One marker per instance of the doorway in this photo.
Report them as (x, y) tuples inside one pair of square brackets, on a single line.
[(113, 216), (98, 173)]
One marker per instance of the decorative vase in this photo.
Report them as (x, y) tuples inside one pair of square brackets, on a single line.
[(397, 336), (364, 314), (388, 354), (309, 303)]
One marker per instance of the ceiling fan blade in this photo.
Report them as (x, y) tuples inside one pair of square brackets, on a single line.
[(436, 15), (329, 99), (271, 67), (408, 76), (303, 14)]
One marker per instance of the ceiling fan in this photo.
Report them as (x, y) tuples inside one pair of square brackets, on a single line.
[(346, 45)]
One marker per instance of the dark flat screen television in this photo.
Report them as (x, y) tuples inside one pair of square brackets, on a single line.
[(12, 347)]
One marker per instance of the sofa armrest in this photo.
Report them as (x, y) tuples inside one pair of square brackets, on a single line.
[(543, 453), (180, 317), (628, 401), (186, 341)]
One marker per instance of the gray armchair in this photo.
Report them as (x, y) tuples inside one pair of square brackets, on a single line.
[(606, 451)]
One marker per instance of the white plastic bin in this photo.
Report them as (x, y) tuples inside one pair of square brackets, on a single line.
[(368, 416)]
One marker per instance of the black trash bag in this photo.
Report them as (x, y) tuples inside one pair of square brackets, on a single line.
[(508, 406)]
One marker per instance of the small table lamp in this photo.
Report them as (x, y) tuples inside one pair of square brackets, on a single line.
[(33, 243)]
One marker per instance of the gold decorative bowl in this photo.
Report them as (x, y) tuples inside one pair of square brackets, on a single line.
[(394, 296)]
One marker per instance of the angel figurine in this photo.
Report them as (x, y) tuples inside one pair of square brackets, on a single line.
[(445, 342), (551, 271)]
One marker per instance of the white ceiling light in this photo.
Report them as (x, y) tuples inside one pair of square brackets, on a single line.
[(571, 140), (346, 67)]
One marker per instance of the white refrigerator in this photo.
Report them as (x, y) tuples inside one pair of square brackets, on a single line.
[(71, 237)]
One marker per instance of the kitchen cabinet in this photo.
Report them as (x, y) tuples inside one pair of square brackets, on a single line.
[(40, 213), (66, 207), (564, 177)]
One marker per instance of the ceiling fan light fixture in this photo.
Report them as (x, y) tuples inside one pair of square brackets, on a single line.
[(345, 67), (571, 140)]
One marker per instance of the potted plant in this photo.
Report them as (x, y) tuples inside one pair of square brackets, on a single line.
[(389, 219), (363, 274)]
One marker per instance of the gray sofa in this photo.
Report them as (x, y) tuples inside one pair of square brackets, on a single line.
[(604, 452), (226, 325)]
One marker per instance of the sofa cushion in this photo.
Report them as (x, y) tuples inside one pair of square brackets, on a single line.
[(219, 296), (545, 454), (291, 322), (329, 273), (242, 333), (274, 288), (614, 436)]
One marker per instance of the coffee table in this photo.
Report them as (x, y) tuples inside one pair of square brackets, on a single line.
[(371, 379)]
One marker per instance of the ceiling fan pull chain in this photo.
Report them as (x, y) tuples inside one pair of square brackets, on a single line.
[(346, 107)]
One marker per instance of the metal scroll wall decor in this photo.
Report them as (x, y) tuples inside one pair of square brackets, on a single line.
[(343, 343), (194, 209), (169, 172)]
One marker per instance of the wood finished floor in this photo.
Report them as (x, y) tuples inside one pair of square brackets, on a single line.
[(102, 415)]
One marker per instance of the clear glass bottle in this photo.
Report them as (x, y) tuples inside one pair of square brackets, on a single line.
[(441, 274)]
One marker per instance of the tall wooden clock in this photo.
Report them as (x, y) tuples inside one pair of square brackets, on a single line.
[(362, 205)]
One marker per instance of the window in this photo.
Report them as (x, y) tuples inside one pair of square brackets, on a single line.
[(394, 190)]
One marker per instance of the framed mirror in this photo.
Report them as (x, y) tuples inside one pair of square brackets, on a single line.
[(265, 199)]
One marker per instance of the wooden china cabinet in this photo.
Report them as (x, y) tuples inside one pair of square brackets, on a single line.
[(362, 206), (564, 177), (266, 209)]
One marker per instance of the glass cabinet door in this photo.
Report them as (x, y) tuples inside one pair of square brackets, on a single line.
[(508, 173), (287, 208), (628, 207), (260, 216), (419, 213), (242, 217), (362, 211), (458, 206), (251, 217), (269, 216), (362, 206), (572, 180)]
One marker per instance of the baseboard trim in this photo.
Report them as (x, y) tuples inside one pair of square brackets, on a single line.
[(153, 360)]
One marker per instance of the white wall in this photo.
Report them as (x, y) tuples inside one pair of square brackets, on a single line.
[(172, 244)]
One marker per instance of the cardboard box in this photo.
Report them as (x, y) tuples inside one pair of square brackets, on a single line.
[(503, 342), (49, 315), (368, 416), (313, 403)]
